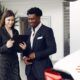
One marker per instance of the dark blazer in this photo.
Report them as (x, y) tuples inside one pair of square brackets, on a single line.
[(9, 64), (43, 46), (4, 37)]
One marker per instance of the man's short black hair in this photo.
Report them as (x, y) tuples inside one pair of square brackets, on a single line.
[(35, 10)]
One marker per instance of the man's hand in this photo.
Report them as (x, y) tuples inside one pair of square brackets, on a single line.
[(32, 55), (26, 60)]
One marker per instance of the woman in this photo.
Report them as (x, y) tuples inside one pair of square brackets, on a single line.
[(9, 65)]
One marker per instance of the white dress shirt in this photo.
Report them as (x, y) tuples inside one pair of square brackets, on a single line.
[(33, 33)]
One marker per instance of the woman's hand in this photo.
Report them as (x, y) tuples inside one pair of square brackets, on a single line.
[(23, 45), (9, 43)]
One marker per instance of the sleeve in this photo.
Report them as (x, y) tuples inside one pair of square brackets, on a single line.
[(51, 45), (3, 47)]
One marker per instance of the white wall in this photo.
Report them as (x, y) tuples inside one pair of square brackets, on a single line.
[(74, 26), (52, 8)]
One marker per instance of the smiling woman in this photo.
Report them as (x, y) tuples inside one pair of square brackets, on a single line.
[(9, 65)]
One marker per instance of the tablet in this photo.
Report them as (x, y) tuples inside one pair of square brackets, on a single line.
[(20, 38)]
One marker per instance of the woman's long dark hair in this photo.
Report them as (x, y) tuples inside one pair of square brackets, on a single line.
[(6, 14)]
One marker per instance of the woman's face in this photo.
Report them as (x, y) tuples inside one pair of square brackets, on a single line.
[(9, 21)]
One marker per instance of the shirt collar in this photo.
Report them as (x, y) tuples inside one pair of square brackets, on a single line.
[(37, 28)]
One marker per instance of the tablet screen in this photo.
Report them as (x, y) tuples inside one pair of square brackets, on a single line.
[(20, 38)]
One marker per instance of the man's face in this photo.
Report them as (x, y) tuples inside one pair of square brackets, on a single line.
[(33, 20)]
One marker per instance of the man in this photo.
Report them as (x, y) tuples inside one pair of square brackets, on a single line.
[(41, 44)]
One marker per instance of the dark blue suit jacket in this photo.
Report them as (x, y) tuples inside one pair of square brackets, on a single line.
[(43, 46)]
